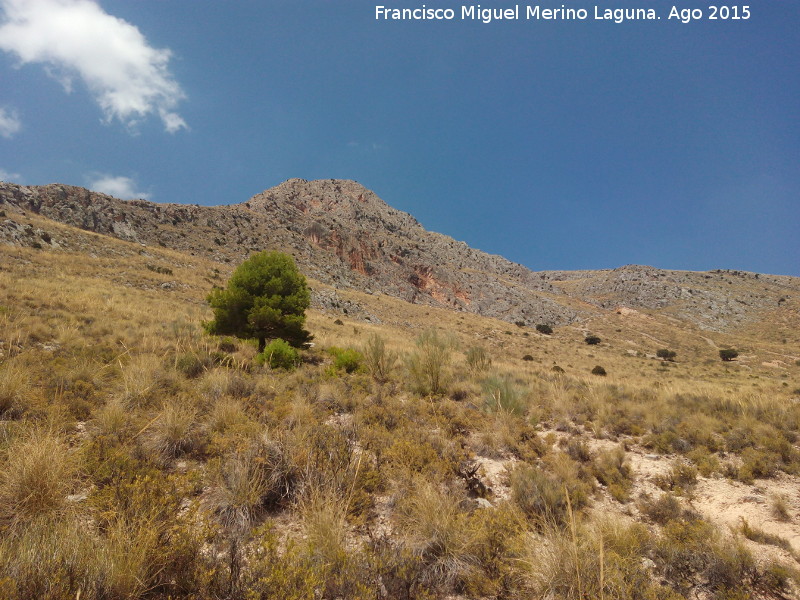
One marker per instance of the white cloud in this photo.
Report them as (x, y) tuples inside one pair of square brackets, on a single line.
[(9, 123), (8, 176), (119, 187), (129, 79)]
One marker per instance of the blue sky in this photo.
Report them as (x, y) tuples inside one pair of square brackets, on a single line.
[(559, 144)]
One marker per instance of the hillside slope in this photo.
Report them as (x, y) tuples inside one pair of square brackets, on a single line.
[(344, 235)]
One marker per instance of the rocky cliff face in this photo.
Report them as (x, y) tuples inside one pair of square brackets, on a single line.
[(344, 235)]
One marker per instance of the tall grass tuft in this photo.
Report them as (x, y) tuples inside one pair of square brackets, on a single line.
[(14, 390), (501, 394), (380, 361), (429, 365), (39, 470)]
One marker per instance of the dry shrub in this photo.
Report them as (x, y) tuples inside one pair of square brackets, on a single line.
[(112, 420), (39, 470), (602, 560), (226, 414), (546, 499), (140, 378), (380, 361), (246, 481), (613, 471), (14, 390), (429, 365), (174, 432), (434, 530)]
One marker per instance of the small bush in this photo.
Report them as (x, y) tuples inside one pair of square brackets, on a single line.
[(346, 359), (557, 369), (478, 359), (380, 361), (613, 471), (706, 462), (191, 364), (545, 329), (428, 366), (757, 464), (538, 495), (39, 470), (598, 370), (728, 354), (665, 354), (14, 389), (278, 354), (160, 269), (681, 477), (338, 322), (779, 508), (503, 395), (174, 432), (663, 509), (592, 340), (527, 358)]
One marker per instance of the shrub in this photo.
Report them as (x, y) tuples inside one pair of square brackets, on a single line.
[(598, 370), (706, 462), (159, 269), (278, 354), (435, 531), (592, 340), (478, 359), (538, 495), (545, 329), (278, 571), (681, 477), (338, 322), (665, 354), (496, 532), (779, 508), (663, 509), (14, 389), (728, 354), (502, 394), (757, 463), (527, 358), (612, 470), (191, 364), (174, 431), (380, 361), (39, 470), (428, 365), (346, 359)]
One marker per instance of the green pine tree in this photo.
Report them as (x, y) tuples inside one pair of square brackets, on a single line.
[(265, 298)]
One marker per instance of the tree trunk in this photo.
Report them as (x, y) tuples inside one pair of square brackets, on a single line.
[(262, 343)]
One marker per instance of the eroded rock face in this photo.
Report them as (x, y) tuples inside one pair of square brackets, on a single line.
[(343, 235)]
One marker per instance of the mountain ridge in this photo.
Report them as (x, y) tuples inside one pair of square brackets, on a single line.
[(345, 236)]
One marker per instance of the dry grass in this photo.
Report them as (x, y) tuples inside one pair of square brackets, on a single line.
[(106, 378), (39, 471)]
